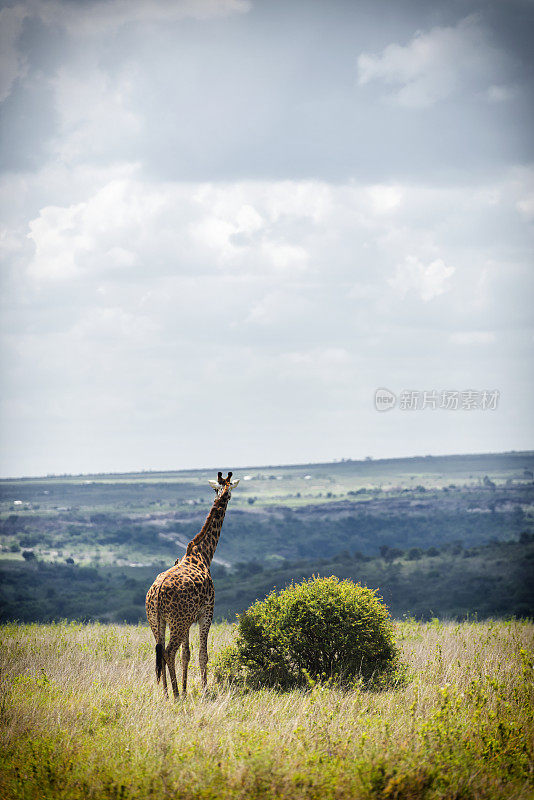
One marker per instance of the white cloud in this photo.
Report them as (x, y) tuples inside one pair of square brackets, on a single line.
[(57, 243), (428, 280), (164, 258), (94, 111), (472, 337), (334, 356), (275, 292), (111, 324), (278, 308), (193, 226), (385, 198), (272, 228), (381, 243), (91, 236), (248, 220), (100, 16), (89, 98), (285, 256), (520, 188), (326, 363), (526, 207), (434, 65)]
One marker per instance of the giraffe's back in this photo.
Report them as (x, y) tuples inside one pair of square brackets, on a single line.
[(182, 593)]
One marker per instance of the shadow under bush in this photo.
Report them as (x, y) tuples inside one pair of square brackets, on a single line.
[(322, 629)]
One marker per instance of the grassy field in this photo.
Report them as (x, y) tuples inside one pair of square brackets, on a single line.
[(81, 717)]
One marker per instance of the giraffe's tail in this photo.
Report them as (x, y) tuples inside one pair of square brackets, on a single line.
[(160, 639), (159, 661)]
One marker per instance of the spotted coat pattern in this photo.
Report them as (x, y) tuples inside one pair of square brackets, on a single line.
[(183, 595)]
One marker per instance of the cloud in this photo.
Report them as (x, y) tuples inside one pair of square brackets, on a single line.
[(181, 228), (436, 65), (199, 211), (12, 63), (428, 280), (335, 366), (523, 187), (385, 198), (291, 286), (113, 324), (302, 239), (472, 337), (526, 207), (196, 91), (281, 309), (94, 17), (292, 300), (95, 236), (94, 112)]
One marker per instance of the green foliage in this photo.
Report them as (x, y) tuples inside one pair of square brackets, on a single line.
[(135, 518), (321, 629), (414, 554), (444, 553), (497, 580)]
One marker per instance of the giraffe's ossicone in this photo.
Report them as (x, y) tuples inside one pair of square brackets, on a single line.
[(184, 594)]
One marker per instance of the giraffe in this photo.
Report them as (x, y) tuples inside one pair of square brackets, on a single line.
[(184, 594)]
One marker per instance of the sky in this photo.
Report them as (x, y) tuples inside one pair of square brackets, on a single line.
[(227, 223)]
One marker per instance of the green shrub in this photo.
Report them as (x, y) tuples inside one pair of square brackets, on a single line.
[(321, 629)]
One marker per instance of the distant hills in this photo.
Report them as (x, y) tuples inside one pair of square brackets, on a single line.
[(282, 522)]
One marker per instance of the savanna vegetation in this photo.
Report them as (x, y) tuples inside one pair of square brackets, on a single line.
[(447, 536), (452, 582), (278, 513), (81, 717), (321, 630), (453, 537)]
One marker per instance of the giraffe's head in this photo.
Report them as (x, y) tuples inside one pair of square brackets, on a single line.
[(222, 485)]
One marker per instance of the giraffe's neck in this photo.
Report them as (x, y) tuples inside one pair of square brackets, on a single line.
[(205, 542)]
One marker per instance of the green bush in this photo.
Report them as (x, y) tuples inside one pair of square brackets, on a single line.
[(321, 629)]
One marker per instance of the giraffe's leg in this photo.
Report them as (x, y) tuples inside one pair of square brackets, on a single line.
[(164, 677), (162, 625), (186, 655), (172, 648), (204, 628)]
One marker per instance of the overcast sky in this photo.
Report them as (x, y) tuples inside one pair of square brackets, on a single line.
[(226, 223)]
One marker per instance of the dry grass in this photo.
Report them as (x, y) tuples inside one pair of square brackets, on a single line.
[(81, 717)]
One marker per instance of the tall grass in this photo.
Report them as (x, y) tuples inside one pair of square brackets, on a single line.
[(81, 717)]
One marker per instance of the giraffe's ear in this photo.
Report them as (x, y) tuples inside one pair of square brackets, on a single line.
[(214, 485), (234, 483)]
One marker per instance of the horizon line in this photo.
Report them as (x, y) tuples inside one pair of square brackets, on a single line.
[(365, 460)]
